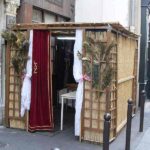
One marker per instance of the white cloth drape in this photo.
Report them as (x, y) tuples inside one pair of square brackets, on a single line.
[(26, 87), (77, 72)]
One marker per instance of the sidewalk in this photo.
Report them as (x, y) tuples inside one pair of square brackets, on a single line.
[(12, 139), (139, 140), (144, 142)]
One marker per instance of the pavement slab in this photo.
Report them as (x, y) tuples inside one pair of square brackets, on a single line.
[(145, 141)]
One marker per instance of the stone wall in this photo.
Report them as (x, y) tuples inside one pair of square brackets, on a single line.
[(2, 78), (7, 16)]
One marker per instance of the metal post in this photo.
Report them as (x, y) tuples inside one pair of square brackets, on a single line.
[(142, 110), (129, 121), (106, 132)]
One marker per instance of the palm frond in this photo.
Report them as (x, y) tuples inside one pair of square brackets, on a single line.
[(18, 42)]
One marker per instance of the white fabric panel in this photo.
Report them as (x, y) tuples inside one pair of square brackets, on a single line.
[(77, 72), (26, 87)]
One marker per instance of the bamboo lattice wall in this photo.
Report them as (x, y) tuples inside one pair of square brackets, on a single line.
[(13, 96), (123, 85), (94, 107)]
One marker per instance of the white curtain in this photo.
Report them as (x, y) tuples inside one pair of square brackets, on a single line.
[(26, 87), (77, 72)]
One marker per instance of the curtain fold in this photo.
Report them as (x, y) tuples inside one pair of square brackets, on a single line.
[(77, 72), (41, 111), (26, 86)]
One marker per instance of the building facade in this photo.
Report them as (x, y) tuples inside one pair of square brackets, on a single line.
[(8, 10), (144, 76), (45, 11), (126, 12)]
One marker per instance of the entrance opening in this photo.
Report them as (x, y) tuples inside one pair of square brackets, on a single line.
[(62, 77)]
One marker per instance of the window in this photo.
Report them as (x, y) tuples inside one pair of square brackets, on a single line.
[(56, 2), (37, 15)]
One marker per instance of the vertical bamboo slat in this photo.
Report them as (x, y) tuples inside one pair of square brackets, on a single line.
[(7, 87), (126, 77)]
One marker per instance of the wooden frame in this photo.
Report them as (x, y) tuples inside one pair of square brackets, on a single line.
[(7, 86), (112, 26)]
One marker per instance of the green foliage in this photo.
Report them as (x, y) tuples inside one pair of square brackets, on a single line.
[(9, 36), (96, 75), (97, 62), (18, 42), (107, 77)]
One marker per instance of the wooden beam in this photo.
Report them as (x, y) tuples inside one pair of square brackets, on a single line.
[(73, 26), (7, 86)]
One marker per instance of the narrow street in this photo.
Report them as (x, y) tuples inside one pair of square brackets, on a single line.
[(12, 139)]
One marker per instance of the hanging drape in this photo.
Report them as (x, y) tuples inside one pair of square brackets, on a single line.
[(26, 86), (41, 112), (77, 72)]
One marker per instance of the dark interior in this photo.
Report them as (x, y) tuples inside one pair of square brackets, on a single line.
[(62, 77)]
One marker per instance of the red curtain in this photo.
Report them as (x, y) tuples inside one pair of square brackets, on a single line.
[(41, 111)]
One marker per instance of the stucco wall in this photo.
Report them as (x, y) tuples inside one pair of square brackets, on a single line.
[(88, 10), (138, 17), (102, 11), (107, 11), (116, 11)]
